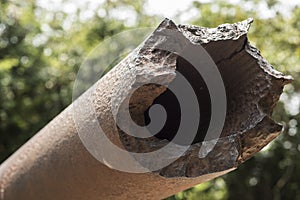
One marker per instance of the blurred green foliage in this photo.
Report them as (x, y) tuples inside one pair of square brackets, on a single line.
[(42, 49)]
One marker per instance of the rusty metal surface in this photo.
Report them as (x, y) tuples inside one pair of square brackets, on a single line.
[(54, 164)]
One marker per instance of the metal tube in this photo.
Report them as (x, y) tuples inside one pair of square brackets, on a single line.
[(55, 163)]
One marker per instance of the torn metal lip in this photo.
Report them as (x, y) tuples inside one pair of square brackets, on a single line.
[(204, 35), (262, 75)]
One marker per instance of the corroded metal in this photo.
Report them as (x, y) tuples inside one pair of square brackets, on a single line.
[(54, 164)]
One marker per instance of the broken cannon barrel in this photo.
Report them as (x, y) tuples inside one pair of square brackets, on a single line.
[(103, 145)]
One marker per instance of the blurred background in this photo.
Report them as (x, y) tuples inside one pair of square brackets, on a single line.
[(43, 43)]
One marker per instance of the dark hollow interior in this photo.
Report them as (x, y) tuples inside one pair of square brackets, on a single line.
[(169, 101)]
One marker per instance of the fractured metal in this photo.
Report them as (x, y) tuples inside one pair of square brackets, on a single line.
[(54, 164)]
